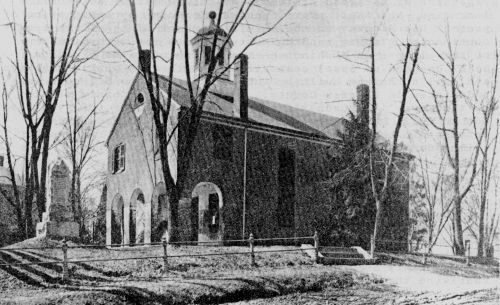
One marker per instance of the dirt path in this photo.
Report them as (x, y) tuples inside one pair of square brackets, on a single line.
[(419, 280), (373, 296), (402, 285)]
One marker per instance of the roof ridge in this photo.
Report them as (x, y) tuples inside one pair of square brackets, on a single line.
[(264, 111)]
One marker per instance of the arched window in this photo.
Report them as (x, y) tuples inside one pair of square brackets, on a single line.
[(117, 221)]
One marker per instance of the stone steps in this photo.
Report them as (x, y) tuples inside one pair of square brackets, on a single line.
[(50, 275), (338, 249), (333, 255), (80, 272), (346, 261), (342, 254), (35, 275)]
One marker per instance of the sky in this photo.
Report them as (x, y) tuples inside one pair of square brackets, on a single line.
[(300, 62)]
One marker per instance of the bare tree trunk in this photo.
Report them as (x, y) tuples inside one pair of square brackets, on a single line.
[(378, 223), (380, 193), (488, 160), (458, 233)]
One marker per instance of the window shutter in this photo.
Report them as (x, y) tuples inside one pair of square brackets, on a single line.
[(112, 157)]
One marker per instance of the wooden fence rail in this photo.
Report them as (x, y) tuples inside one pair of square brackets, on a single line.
[(251, 242)]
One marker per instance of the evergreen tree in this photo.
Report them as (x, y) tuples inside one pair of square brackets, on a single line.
[(352, 204)]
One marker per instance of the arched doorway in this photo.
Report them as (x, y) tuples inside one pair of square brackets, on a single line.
[(117, 228), (206, 216), (159, 213), (137, 218)]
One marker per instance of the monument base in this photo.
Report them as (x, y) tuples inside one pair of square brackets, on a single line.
[(58, 230)]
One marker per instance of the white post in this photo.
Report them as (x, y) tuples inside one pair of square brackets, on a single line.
[(252, 252), (316, 247), (372, 246), (467, 258), (65, 260)]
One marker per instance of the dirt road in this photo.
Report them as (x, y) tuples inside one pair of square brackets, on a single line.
[(420, 280), (401, 285)]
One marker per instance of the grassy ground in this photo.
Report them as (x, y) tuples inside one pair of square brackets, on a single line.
[(203, 280), (198, 279), (236, 258)]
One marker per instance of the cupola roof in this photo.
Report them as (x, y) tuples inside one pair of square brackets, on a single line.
[(212, 28)]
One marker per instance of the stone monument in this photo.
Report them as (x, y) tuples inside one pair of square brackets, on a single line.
[(58, 220)]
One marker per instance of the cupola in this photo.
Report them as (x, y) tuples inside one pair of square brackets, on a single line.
[(202, 47)]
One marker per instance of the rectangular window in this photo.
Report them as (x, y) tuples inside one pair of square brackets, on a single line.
[(119, 158), (286, 185), (196, 57), (208, 53), (223, 142)]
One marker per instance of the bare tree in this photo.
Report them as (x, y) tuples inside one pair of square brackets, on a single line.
[(438, 207), (161, 105), (380, 184), (40, 80), (492, 220), (450, 94), (485, 127), (79, 145)]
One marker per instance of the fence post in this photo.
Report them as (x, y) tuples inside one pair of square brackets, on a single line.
[(65, 260), (252, 252), (316, 247), (467, 246), (165, 255), (424, 258)]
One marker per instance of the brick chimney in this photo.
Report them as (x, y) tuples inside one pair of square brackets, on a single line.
[(240, 98), (363, 103), (144, 59)]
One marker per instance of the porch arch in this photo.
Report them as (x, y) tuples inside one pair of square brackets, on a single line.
[(117, 221), (159, 213), (206, 212), (137, 218)]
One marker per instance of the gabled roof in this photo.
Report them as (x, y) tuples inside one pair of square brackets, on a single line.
[(263, 111), (260, 111)]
